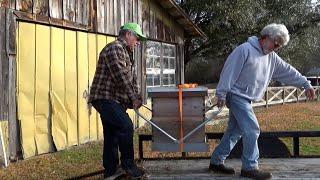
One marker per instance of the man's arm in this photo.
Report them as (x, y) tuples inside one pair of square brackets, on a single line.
[(287, 74)]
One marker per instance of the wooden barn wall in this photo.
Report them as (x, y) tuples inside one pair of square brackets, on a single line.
[(104, 16), (4, 63)]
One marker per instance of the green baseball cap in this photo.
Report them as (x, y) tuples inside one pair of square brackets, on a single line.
[(135, 28)]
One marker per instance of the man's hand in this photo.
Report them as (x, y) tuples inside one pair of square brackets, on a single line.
[(137, 104), (221, 103), (310, 93)]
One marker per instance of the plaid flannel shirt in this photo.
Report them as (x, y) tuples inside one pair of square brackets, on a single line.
[(115, 77)]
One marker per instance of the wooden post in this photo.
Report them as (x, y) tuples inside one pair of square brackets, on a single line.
[(296, 146), (297, 94), (266, 97), (14, 142), (283, 95)]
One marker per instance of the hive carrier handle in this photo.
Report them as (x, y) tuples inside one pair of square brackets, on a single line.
[(206, 120)]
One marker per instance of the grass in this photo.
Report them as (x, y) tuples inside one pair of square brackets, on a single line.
[(85, 159)]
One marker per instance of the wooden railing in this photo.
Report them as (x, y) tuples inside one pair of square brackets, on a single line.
[(279, 95)]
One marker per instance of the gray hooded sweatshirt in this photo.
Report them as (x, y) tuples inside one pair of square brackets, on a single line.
[(247, 72)]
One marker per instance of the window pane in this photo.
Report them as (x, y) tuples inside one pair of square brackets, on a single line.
[(172, 79), (165, 63), (149, 80), (157, 63), (156, 80), (165, 79), (172, 64), (149, 62)]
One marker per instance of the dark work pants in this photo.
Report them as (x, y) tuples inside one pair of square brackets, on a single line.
[(118, 134)]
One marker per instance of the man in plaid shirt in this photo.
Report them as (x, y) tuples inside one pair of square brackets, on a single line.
[(114, 89)]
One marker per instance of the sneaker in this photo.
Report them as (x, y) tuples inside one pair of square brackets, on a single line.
[(119, 172), (221, 168), (134, 171), (256, 174)]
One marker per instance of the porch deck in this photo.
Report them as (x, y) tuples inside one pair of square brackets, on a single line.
[(281, 168)]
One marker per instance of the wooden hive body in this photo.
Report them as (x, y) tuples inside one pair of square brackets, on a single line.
[(165, 113)]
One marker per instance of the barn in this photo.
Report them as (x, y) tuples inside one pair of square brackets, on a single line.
[(48, 54)]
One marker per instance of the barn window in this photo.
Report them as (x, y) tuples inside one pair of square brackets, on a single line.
[(160, 64)]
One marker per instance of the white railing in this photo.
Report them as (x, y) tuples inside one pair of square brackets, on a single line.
[(279, 95)]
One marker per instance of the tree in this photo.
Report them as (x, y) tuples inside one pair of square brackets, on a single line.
[(228, 23)]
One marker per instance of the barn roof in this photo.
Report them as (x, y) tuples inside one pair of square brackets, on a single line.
[(182, 18)]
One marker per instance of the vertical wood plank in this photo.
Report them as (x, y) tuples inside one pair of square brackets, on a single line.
[(69, 8), (92, 17), (101, 15), (116, 15), (3, 58), (14, 141), (145, 17), (24, 5), (135, 11), (55, 7), (12, 4), (41, 7), (111, 23), (128, 11), (152, 25), (121, 13), (82, 12)]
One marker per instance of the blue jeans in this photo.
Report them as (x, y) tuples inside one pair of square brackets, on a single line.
[(242, 123), (117, 133)]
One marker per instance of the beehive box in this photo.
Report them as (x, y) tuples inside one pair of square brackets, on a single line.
[(165, 113)]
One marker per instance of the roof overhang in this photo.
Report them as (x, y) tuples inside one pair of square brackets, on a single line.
[(182, 18)]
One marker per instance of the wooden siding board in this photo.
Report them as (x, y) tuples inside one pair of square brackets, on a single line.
[(101, 6), (145, 17), (121, 12), (82, 12), (14, 141), (2, 60), (56, 8), (92, 17), (24, 5), (128, 11), (41, 7), (135, 11), (69, 8)]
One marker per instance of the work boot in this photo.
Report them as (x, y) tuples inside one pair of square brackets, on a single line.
[(221, 168), (134, 171), (256, 174)]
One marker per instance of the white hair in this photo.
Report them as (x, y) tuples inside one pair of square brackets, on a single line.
[(276, 31)]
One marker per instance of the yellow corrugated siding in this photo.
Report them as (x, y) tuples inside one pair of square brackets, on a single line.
[(42, 134), (83, 78), (57, 92), (92, 45), (101, 43), (70, 55), (54, 70), (26, 84)]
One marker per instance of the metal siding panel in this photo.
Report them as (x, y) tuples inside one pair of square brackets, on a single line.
[(57, 92), (83, 113), (72, 85), (42, 122), (92, 49), (26, 82)]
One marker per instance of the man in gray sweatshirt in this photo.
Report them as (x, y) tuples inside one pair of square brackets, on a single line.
[(245, 78)]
